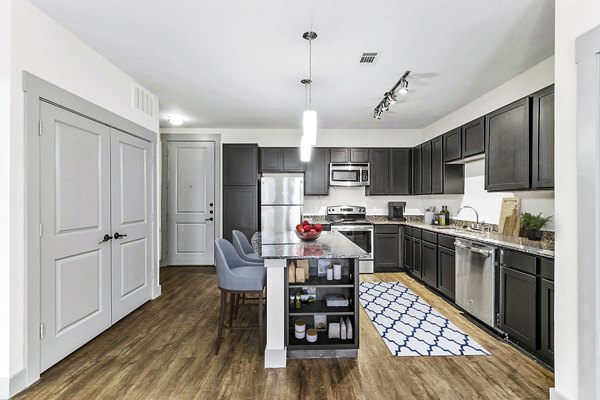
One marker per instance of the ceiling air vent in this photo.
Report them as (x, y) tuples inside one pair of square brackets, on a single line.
[(142, 99), (368, 58)]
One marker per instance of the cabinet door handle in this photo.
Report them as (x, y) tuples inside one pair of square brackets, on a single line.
[(209, 219)]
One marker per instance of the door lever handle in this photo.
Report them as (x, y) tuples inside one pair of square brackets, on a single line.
[(209, 219), (106, 238), (119, 235)]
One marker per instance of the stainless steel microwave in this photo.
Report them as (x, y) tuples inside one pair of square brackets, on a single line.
[(349, 174)]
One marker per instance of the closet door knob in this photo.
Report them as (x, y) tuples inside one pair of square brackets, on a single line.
[(119, 235)]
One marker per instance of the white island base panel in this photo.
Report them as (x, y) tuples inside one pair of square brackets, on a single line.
[(275, 350)]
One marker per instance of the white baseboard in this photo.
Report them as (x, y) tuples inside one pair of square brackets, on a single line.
[(275, 358), (13, 385), (556, 395)]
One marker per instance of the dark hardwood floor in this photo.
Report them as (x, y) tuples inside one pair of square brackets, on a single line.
[(165, 350)]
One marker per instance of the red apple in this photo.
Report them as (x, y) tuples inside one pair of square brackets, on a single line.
[(319, 227), (305, 222), (307, 227), (299, 226), (300, 230), (313, 230)]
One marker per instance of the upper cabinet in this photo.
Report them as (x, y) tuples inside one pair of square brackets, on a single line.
[(391, 171), (437, 165), (240, 164), (507, 149), (426, 168), (473, 138), (316, 173), (519, 144), (416, 163), (401, 171), (453, 145), (380, 172), (542, 149), (346, 155), (280, 159)]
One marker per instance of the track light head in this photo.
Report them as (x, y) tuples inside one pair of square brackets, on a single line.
[(403, 89)]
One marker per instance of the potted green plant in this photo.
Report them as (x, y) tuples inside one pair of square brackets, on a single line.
[(533, 224)]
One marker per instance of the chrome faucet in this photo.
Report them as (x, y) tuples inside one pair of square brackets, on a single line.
[(477, 226)]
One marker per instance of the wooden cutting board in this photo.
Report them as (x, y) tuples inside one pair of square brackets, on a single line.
[(510, 217)]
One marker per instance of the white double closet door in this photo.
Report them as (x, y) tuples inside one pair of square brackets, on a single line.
[(96, 229)]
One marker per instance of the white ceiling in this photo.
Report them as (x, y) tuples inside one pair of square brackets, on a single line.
[(238, 64)]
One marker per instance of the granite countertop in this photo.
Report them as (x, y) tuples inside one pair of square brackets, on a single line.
[(328, 245), (538, 248)]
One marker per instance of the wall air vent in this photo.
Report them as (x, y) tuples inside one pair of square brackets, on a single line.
[(368, 58), (142, 99)]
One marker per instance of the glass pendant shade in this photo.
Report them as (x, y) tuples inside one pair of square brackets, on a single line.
[(309, 124), (305, 149)]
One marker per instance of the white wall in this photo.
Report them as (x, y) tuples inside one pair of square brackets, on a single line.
[(488, 204), (44, 48), (572, 20), (5, 59)]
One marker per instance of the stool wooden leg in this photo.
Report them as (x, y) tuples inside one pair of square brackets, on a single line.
[(231, 307), (237, 305), (221, 320), (261, 346)]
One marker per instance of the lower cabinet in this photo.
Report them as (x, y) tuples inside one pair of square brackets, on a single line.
[(527, 302), (429, 263), (387, 248), (546, 348), (407, 250), (446, 271), (416, 257), (240, 210)]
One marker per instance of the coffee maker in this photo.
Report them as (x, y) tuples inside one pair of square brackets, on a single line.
[(396, 210)]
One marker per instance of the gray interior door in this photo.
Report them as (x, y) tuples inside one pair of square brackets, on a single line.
[(131, 200), (75, 216), (190, 203)]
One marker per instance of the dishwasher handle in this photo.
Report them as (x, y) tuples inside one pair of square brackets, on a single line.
[(484, 252)]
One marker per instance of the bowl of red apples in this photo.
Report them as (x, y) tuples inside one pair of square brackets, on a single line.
[(307, 231)]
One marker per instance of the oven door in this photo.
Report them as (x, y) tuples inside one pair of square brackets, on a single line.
[(363, 237)]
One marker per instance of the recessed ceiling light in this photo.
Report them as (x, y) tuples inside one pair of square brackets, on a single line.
[(175, 120)]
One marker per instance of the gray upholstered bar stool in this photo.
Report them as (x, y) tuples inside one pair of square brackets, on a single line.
[(244, 248), (236, 276)]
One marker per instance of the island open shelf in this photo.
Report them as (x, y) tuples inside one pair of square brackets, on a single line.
[(347, 286)]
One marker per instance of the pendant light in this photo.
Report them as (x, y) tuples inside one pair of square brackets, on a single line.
[(309, 118)]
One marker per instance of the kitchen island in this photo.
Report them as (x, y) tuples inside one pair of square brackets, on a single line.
[(285, 250)]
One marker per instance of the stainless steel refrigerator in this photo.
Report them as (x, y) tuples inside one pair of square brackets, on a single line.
[(281, 202)]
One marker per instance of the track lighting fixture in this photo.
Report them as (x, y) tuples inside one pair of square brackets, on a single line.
[(390, 98)]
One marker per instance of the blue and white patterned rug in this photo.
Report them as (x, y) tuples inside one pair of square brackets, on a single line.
[(411, 327)]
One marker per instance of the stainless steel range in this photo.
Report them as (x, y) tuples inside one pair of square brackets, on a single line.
[(351, 221)]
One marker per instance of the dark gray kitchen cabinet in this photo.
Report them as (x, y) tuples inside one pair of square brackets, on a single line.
[(400, 171), (280, 159), (453, 145), (546, 348), (416, 153), (417, 257), (429, 263), (473, 138), (359, 155), (240, 164), (345, 155), (518, 306), (240, 210), (387, 248), (542, 146), (380, 172), (407, 251), (271, 159), (340, 155), (426, 168), (291, 160), (316, 173), (446, 272), (437, 165), (507, 147)]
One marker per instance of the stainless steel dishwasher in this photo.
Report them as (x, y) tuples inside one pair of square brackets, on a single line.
[(475, 279)]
